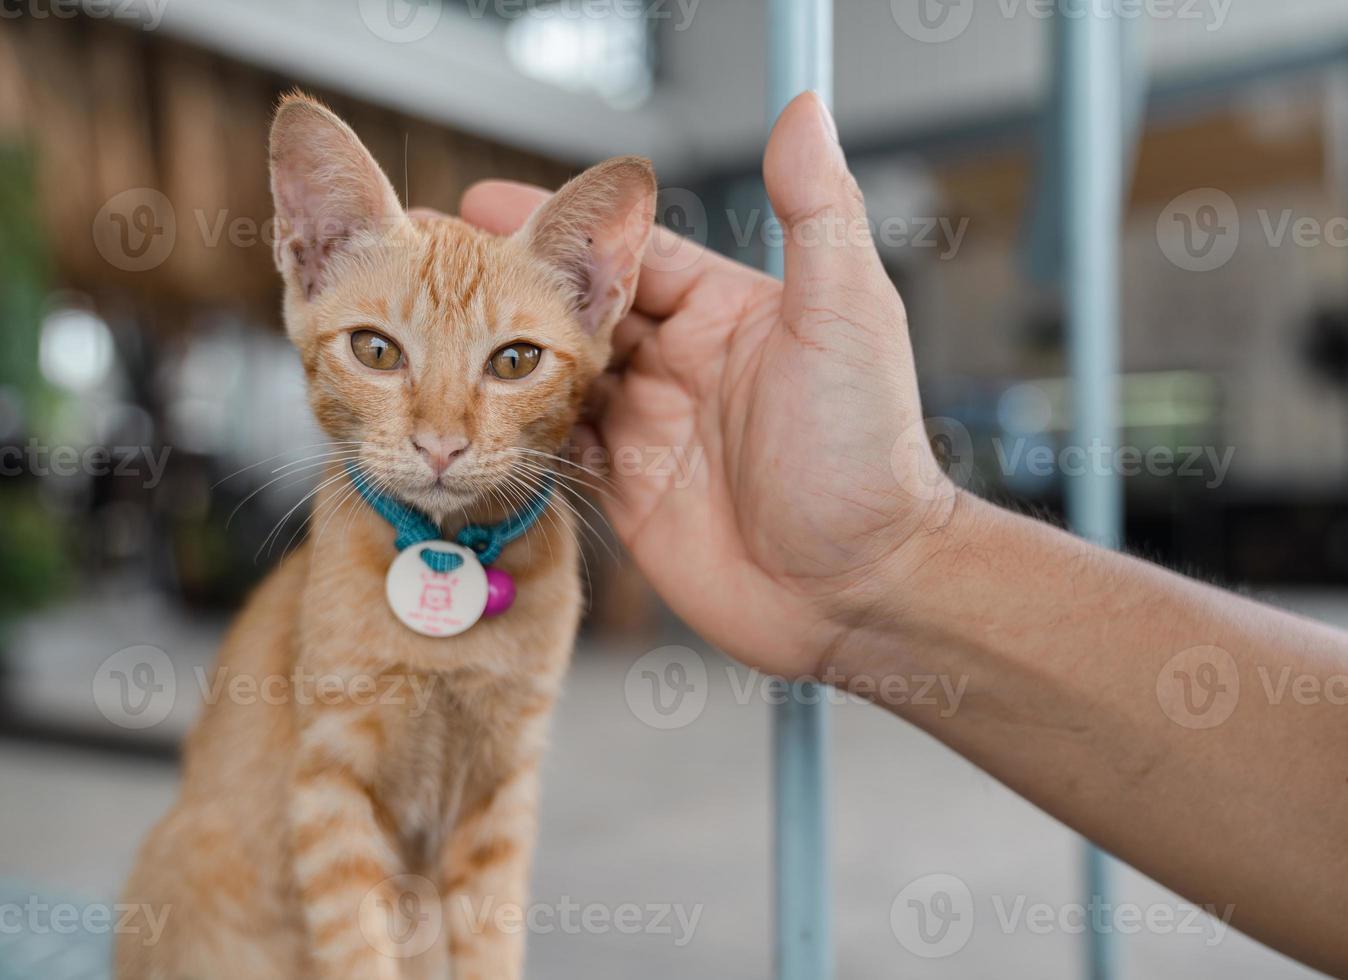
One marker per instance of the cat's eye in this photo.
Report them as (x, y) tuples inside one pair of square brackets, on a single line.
[(514, 361), (375, 350)]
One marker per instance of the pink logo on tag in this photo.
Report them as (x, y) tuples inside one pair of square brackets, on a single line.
[(437, 595), (437, 598)]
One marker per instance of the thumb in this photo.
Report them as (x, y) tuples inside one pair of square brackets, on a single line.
[(823, 217)]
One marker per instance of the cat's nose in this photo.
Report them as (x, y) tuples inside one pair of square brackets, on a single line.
[(439, 451)]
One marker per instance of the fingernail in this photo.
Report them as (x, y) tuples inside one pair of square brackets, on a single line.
[(830, 124)]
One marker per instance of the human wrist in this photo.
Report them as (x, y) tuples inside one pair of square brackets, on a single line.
[(890, 624)]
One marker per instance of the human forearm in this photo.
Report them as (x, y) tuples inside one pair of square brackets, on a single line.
[(1232, 789)]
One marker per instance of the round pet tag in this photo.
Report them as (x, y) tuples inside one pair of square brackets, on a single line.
[(436, 603)]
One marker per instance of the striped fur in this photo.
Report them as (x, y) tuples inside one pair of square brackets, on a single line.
[(367, 821)]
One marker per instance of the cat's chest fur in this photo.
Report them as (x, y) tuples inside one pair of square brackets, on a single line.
[(445, 760), (453, 718)]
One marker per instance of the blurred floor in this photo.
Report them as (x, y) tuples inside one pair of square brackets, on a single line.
[(679, 818)]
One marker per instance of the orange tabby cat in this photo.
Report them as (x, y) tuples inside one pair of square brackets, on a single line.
[(362, 805)]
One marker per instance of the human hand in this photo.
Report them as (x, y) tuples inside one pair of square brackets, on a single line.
[(813, 484)]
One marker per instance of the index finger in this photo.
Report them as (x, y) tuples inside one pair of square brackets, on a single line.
[(672, 266)]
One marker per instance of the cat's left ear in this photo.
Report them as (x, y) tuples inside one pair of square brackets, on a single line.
[(594, 231), (331, 197)]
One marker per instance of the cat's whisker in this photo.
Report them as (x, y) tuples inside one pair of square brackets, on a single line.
[(313, 514), (562, 499), (295, 480), (335, 503), (320, 458), (515, 487), (276, 528), (378, 484), (564, 477), (240, 505), (505, 497), (572, 492), (558, 522), (555, 458), (264, 462), (549, 461)]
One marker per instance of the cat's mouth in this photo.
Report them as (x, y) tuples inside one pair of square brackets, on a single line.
[(448, 494), (493, 484), (440, 496)]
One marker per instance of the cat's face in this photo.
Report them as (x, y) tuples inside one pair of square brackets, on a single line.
[(449, 358)]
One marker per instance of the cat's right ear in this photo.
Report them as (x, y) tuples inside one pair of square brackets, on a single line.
[(329, 192)]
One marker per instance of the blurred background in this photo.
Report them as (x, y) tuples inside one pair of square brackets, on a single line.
[(151, 411)]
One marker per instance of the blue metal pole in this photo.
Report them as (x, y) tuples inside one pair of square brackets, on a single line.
[(1092, 129), (800, 57)]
